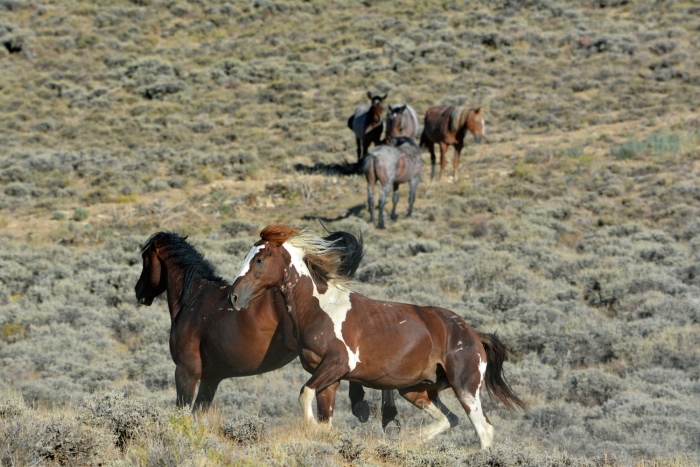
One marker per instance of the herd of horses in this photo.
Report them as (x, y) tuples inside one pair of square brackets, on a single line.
[(396, 159), (292, 297)]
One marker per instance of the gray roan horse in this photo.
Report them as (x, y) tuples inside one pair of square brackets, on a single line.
[(401, 120), (367, 124), (392, 164), (448, 126)]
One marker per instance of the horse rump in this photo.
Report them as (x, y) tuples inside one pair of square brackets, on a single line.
[(424, 141), (496, 383)]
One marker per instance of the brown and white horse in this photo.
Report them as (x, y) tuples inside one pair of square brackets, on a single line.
[(447, 126), (367, 124), (209, 342), (384, 345)]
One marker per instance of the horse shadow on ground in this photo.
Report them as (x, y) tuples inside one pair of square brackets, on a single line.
[(353, 211), (344, 168)]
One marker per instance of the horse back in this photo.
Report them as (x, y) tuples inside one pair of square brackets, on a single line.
[(436, 127)]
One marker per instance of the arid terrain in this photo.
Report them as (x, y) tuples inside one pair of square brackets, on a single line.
[(574, 234)]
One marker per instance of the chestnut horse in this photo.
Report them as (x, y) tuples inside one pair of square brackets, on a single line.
[(367, 124), (447, 126), (401, 120), (392, 164), (209, 342), (385, 345)]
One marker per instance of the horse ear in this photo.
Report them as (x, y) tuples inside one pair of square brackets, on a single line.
[(384, 96), (402, 108), (478, 109), (369, 94)]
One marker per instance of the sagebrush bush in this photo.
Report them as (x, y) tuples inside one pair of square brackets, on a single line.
[(246, 430)]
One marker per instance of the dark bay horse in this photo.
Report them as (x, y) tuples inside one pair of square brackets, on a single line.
[(401, 120), (385, 345), (392, 164), (367, 124), (447, 126), (210, 342)]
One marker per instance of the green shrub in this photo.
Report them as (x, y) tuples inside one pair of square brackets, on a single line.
[(80, 214)]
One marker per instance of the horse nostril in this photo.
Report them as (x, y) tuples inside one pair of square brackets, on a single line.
[(234, 298)]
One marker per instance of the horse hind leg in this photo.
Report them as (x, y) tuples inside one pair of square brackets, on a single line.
[(431, 403), (395, 200), (389, 411), (359, 149), (466, 381), (382, 201), (443, 158), (412, 194)]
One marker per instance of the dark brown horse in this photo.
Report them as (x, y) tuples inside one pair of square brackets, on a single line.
[(392, 164), (209, 341), (447, 126), (384, 345), (367, 124)]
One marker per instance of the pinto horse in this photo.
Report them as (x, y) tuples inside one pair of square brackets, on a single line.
[(383, 345), (448, 126), (401, 120), (209, 342), (367, 124), (392, 164)]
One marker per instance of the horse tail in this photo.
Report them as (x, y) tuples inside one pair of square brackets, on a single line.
[(424, 141), (351, 120), (496, 383)]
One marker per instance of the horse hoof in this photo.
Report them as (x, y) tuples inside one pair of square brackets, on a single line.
[(361, 411), (381, 226), (392, 428), (393, 218)]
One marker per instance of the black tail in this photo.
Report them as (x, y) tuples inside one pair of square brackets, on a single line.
[(352, 250), (350, 121), (424, 142), (496, 383)]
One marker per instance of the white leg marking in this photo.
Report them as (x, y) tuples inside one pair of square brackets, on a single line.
[(483, 127), (246, 262), (484, 429), (306, 400), (441, 424), (335, 302)]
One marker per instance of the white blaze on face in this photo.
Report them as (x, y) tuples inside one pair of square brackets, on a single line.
[(335, 302), (246, 262)]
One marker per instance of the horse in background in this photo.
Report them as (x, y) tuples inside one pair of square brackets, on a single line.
[(399, 161), (448, 126), (367, 124), (401, 120), (210, 342)]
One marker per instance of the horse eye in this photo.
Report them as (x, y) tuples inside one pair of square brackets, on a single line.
[(259, 260)]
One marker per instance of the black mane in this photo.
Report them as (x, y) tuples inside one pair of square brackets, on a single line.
[(352, 251), (186, 257)]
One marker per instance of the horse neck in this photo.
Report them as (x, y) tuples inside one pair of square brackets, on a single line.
[(471, 121), (175, 277), (299, 290)]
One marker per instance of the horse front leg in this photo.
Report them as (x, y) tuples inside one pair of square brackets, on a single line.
[(458, 149), (325, 403), (207, 390), (185, 384), (394, 200), (330, 371), (443, 158), (382, 201), (389, 411), (360, 407)]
